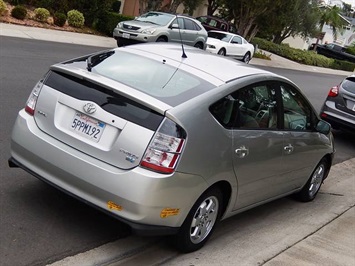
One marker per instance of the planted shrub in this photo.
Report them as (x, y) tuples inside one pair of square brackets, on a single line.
[(2, 7), (107, 21), (19, 12), (75, 18), (59, 19), (41, 14)]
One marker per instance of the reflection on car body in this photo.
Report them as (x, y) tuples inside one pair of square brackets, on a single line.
[(184, 142)]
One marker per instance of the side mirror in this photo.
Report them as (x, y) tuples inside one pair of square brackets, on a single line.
[(323, 127), (175, 26)]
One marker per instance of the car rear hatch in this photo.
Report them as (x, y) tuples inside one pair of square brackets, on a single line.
[(347, 94), (83, 111)]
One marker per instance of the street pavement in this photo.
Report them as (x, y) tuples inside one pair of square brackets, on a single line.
[(327, 240)]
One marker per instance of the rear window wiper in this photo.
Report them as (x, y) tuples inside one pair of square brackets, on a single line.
[(97, 59)]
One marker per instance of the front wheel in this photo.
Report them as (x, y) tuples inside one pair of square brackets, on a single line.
[(200, 222), (311, 188), (199, 45), (162, 39)]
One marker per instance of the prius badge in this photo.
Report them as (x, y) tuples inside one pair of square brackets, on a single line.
[(89, 108)]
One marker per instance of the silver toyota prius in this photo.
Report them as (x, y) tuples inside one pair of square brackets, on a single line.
[(171, 141)]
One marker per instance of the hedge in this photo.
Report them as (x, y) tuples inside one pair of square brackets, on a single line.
[(303, 56), (107, 21)]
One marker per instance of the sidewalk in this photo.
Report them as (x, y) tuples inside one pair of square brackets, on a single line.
[(108, 42)]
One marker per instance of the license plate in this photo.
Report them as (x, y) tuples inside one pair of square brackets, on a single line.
[(87, 126), (126, 35)]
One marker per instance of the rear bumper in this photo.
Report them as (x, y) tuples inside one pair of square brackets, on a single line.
[(336, 117), (140, 194), (140, 229)]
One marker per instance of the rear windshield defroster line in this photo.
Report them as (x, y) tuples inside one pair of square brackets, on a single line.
[(108, 100)]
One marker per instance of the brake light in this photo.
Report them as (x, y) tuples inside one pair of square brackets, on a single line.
[(334, 91), (32, 99), (165, 148)]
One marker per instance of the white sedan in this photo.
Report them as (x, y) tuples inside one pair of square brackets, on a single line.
[(225, 43)]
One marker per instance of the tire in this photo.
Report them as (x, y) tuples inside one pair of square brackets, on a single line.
[(200, 222), (311, 188), (222, 51), (162, 39), (246, 58), (199, 45), (119, 44)]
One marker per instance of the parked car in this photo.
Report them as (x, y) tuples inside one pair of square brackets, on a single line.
[(229, 44), (215, 23), (335, 51), (161, 27), (339, 106), (171, 144)]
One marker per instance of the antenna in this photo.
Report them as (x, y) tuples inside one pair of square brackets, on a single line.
[(182, 44)]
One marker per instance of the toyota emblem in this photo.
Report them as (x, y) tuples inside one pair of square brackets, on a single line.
[(89, 108)]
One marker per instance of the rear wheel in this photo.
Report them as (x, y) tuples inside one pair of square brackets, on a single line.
[(246, 58), (222, 51), (200, 222), (310, 190)]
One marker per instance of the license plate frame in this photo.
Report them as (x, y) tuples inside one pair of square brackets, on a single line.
[(87, 126), (126, 35)]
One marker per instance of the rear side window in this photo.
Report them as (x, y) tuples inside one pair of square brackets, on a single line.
[(349, 84), (108, 100)]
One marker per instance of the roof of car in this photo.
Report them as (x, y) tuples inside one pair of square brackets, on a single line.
[(222, 68)]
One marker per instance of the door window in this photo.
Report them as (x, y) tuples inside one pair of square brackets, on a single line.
[(237, 40), (297, 112), (252, 107)]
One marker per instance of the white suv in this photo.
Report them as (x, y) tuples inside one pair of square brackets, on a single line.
[(161, 27)]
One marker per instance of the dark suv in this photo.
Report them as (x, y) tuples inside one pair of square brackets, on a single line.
[(214, 23)]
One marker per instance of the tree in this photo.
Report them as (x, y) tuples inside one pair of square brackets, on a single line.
[(291, 18), (212, 6), (331, 16), (246, 13)]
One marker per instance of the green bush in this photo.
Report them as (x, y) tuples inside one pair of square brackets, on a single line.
[(2, 7), (59, 19), (75, 18), (302, 56), (107, 21), (41, 14), (19, 12)]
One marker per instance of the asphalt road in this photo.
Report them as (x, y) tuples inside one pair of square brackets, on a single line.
[(39, 224)]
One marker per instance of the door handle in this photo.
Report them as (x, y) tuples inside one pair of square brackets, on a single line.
[(288, 149), (242, 151)]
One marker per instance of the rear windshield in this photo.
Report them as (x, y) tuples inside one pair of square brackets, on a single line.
[(349, 84), (108, 100), (220, 36), (156, 78)]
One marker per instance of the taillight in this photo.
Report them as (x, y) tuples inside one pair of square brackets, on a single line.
[(32, 99), (165, 148), (334, 91)]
